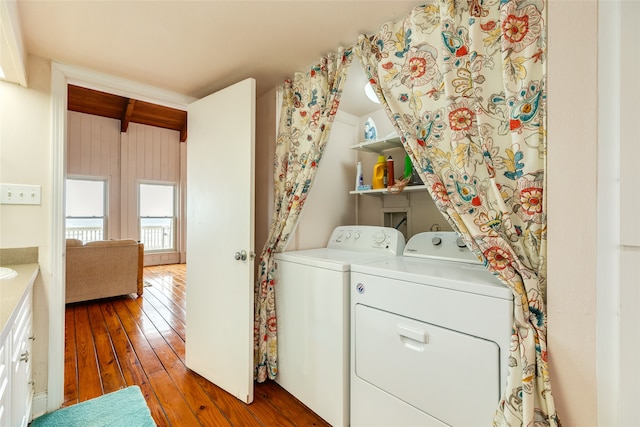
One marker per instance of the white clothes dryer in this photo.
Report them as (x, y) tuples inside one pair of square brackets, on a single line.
[(313, 315), (430, 337)]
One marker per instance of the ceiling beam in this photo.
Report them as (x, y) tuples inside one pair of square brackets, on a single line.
[(126, 115), (127, 110), (183, 132)]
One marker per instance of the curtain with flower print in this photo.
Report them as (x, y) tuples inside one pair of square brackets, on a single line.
[(464, 84), (309, 105)]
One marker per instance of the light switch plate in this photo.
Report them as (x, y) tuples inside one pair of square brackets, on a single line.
[(17, 194)]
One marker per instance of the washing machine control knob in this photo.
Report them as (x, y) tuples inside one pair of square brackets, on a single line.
[(436, 241), (460, 242), (379, 237)]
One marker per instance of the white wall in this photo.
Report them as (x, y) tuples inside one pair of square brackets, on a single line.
[(618, 348), (25, 158), (571, 204), (608, 296), (593, 259), (329, 203)]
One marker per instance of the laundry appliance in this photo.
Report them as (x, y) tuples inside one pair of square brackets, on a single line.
[(313, 315), (430, 337)]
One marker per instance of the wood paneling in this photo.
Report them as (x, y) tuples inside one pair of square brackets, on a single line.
[(96, 147), (93, 150), (93, 145), (118, 342), (148, 154)]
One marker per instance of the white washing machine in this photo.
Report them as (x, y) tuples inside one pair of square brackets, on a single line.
[(313, 312), (430, 337)]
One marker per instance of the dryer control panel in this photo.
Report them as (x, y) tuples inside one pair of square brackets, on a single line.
[(442, 245), (368, 239)]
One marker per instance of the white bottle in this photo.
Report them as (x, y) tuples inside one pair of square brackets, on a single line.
[(359, 179)]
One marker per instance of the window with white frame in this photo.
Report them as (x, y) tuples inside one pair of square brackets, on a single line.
[(157, 210), (85, 209)]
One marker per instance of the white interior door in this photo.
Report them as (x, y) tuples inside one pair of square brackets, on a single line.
[(220, 224)]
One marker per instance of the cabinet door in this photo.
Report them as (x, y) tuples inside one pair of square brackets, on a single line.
[(5, 393), (21, 386)]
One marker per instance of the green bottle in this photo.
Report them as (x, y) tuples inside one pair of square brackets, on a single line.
[(408, 167)]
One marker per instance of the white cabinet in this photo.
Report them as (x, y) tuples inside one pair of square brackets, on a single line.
[(16, 314), (5, 392), (21, 384)]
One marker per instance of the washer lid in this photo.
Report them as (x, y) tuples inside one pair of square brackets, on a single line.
[(331, 259), (458, 276)]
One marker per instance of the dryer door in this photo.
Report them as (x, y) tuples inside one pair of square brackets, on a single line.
[(449, 375)]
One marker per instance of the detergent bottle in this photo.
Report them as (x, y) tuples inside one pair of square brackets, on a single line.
[(408, 167), (359, 180), (390, 173), (379, 173)]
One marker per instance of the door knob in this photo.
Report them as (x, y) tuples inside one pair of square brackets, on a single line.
[(242, 255)]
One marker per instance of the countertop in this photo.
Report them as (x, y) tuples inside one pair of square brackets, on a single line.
[(13, 292)]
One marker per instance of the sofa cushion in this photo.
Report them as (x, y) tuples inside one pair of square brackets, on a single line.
[(74, 242), (112, 242)]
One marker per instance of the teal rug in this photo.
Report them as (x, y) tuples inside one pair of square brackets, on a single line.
[(122, 408)]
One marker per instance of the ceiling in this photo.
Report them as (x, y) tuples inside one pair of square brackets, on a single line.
[(195, 48)]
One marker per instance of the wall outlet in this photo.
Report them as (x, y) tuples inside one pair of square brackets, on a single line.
[(16, 194)]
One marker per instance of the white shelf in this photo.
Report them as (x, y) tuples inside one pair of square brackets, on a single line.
[(384, 191), (379, 145)]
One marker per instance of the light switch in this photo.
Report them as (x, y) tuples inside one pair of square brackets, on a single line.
[(16, 194)]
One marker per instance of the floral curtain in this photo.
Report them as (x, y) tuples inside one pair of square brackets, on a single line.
[(310, 102), (464, 84)]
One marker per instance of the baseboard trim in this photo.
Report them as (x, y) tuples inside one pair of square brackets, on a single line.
[(39, 405)]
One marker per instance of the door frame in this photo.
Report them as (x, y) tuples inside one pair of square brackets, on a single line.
[(61, 76)]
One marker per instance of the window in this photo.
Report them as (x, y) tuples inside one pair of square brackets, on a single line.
[(85, 209), (157, 216)]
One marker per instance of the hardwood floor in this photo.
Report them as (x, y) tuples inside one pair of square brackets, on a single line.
[(114, 343)]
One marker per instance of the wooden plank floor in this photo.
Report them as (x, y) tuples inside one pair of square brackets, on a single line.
[(118, 342)]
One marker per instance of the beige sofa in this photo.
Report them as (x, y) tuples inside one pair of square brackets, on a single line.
[(102, 269)]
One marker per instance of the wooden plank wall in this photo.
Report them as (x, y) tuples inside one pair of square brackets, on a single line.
[(96, 147), (93, 150), (149, 154)]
